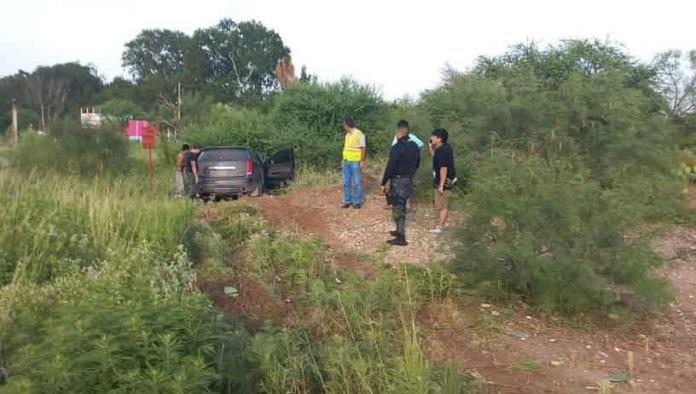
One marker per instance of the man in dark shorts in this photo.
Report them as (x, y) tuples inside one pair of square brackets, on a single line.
[(444, 175), (404, 159), (191, 170)]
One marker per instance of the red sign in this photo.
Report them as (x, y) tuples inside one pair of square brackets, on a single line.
[(149, 136)]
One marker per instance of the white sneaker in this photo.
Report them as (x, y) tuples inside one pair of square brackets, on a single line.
[(436, 230)]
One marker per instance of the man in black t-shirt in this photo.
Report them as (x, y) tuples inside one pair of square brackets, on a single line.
[(444, 175)]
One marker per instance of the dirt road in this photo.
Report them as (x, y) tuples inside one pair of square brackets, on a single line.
[(358, 234), (514, 349)]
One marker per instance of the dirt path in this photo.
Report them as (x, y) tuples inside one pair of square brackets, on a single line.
[(354, 235), (513, 349)]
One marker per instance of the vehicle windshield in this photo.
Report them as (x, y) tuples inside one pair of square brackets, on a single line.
[(231, 154)]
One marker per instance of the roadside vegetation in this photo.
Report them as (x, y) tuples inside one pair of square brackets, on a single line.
[(110, 284)]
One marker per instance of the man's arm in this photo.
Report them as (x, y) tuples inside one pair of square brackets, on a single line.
[(363, 146), (443, 179), (180, 161), (194, 169)]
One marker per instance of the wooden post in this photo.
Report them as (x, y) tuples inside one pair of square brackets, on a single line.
[(150, 168), (13, 131)]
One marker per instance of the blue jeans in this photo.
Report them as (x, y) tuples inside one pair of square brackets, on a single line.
[(352, 185)]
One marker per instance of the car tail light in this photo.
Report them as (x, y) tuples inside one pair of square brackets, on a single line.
[(249, 167)]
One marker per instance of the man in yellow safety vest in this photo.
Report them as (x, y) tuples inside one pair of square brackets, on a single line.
[(353, 164)]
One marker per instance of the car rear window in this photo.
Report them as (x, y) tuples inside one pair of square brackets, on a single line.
[(224, 155)]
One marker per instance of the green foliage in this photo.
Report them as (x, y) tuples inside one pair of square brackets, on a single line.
[(101, 297), (115, 336), (156, 53), (70, 148), (560, 142), (233, 126), (305, 116), (358, 335), (314, 112), (237, 60), (48, 93), (545, 231), (71, 223), (121, 109), (234, 62)]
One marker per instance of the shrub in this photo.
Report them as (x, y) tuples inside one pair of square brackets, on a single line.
[(233, 126), (133, 324), (72, 149), (58, 222), (309, 116), (545, 232)]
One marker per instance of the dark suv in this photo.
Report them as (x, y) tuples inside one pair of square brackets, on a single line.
[(230, 171)]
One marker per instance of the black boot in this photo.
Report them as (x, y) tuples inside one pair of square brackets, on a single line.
[(398, 241), (395, 233)]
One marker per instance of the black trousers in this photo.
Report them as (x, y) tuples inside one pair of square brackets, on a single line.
[(401, 188)]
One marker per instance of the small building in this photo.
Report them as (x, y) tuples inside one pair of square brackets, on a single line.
[(91, 117)]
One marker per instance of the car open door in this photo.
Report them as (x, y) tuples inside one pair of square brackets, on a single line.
[(280, 168)]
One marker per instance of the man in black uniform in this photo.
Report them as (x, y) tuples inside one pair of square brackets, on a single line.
[(404, 159)]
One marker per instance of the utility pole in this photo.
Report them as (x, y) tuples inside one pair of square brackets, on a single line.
[(13, 131), (178, 110)]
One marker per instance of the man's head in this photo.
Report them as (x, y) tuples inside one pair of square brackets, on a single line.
[(348, 124), (438, 137), (196, 147), (185, 147), (402, 128)]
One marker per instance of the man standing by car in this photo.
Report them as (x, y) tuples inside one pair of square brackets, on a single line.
[(180, 186), (191, 170), (404, 159), (353, 164), (444, 175)]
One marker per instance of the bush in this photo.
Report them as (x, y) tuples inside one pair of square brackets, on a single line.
[(545, 232), (305, 116), (72, 149), (96, 295), (133, 324), (62, 222), (308, 116), (233, 126)]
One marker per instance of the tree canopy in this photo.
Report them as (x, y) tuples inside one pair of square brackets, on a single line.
[(232, 61)]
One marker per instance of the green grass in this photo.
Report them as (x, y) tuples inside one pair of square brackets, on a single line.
[(360, 334), (99, 281), (56, 223)]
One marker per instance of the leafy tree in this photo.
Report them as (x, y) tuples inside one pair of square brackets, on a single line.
[(676, 80), (54, 91), (315, 111), (120, 88), (240, 59), (156, 53), (577, 119), (556, 62), (121, 109)]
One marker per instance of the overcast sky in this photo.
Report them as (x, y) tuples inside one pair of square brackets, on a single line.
[(399, 46)]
